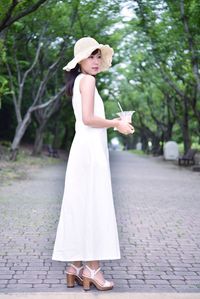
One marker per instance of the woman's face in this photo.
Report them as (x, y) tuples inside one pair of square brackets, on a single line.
[(91, 65)]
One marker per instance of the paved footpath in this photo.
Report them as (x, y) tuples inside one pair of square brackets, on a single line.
[(157, 207)]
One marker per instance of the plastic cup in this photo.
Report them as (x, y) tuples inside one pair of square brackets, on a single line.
[(126, 116)]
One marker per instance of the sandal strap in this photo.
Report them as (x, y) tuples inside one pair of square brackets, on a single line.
[(93, 272), (78, 269)]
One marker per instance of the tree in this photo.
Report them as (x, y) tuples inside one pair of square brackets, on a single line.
[(13, 10), (36, 47), (161, 59)]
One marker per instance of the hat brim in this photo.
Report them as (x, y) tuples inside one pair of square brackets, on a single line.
[(106, 57)]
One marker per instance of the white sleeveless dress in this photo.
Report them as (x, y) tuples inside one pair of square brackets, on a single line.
[(87, 229)]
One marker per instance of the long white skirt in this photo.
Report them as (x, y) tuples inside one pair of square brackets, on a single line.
[(87, 228)]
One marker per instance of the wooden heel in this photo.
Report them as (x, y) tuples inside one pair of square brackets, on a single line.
[(86, 283), (70, 280)]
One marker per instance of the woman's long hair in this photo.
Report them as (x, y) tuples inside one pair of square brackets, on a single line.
[(71, 76)]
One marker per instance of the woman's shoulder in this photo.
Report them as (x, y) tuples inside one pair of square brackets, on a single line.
[(87, 80), (83, 80)]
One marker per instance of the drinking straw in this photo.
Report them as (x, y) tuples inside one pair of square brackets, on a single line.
[(120, 107)]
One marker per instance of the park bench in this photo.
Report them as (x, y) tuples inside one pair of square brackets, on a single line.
[(52, 152), (188, 158), (196, 168)]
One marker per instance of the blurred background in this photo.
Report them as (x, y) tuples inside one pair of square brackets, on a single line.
[(155, 71)]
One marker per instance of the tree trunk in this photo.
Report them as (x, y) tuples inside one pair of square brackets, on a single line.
[(56, 135), (67, 138), (168, 132), (185, 127), (21, 129), (43, 120), (38, 144), (186, 138), (156, 149), (144, 141)]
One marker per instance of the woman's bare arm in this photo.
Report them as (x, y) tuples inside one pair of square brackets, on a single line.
[(87, 89)]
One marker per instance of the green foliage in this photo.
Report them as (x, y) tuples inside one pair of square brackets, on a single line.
[(3, 81), (157, 75), (3, 87)]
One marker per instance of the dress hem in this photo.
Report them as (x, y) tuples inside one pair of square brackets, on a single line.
[(61, 259)]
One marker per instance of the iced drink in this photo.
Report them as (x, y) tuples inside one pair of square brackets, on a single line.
[(126, 116)]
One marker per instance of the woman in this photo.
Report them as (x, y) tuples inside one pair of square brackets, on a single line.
[(87, 229)]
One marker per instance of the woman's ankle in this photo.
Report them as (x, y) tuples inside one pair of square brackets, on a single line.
[(93, 264), (77, 263)]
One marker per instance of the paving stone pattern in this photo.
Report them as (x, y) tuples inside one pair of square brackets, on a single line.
[(157, 207)]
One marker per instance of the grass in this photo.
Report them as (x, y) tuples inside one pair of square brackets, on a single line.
[(137, 152), (194, 145), (180, 147), (25, 156), (25, 164)]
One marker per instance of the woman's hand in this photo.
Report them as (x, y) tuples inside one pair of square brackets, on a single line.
[(124, 127)]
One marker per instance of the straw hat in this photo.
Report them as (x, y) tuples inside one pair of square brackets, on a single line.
[(83, 49)]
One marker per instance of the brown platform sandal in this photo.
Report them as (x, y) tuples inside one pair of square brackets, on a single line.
[(71, 278), (87, 281)]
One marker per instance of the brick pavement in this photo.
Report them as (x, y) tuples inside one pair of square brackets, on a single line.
[(157, 207)]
